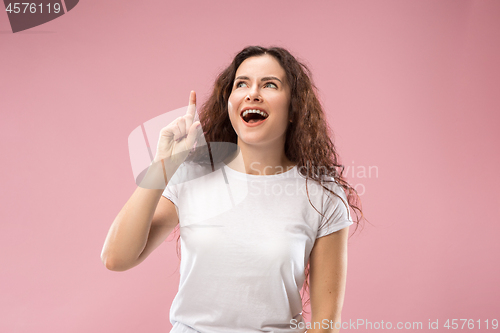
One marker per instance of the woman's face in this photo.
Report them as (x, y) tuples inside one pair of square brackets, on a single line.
[(259, 102)]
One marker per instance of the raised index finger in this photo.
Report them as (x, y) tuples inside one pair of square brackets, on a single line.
[(191, 110)]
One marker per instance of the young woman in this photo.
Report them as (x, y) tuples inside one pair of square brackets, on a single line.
[(270, 215)]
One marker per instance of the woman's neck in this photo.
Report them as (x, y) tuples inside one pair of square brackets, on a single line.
[(259, 161)]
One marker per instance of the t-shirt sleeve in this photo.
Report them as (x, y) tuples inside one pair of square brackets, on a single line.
[(336, 215), (170, 193)]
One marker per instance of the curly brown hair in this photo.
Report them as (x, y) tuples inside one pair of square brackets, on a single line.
[(308, 137)]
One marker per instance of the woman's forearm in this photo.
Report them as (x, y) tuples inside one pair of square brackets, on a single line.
[(128, 234)]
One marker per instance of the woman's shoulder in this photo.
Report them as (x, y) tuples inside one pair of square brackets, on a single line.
[(188, 171), (324, 185)]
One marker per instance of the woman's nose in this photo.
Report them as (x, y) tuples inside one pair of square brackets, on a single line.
[(253, 95)]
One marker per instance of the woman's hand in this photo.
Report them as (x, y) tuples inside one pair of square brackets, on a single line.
[(175, 142), (178, 137)]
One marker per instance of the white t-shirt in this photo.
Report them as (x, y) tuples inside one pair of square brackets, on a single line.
[(245, 242)]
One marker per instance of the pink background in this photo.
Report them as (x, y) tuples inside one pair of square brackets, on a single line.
[(409, 90)]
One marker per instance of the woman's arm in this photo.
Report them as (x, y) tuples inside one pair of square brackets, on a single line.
[(327, 279), (142, 225), (147, 219)]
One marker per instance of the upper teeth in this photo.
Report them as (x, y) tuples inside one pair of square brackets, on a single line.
[(262, 113)]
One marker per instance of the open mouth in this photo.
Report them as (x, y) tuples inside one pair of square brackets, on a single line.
[(253, 115)]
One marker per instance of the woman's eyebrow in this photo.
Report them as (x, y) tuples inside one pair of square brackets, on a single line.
[(267, 78)]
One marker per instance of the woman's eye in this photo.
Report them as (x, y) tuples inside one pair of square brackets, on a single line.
[(240, 84), (270, 84)]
